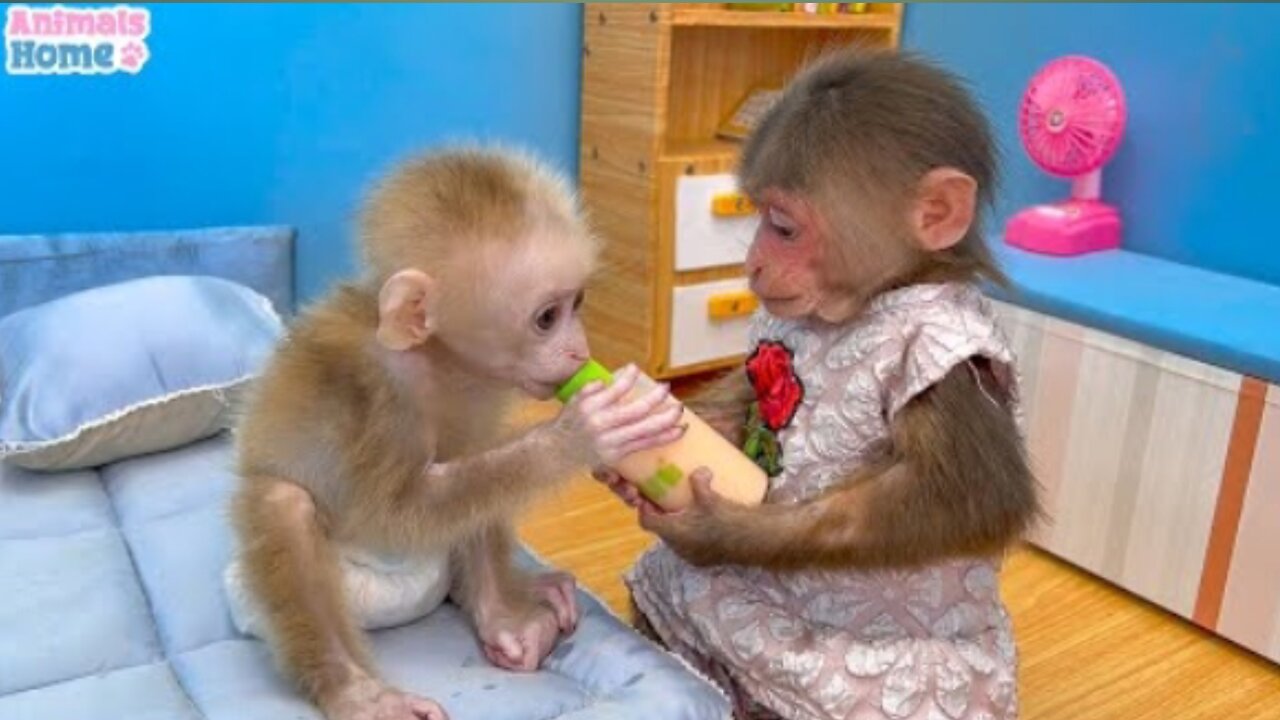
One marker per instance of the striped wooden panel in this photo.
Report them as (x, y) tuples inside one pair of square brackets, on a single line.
[(1130, 443), (1250, 613)]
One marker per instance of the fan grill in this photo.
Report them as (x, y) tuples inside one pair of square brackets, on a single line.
[(1072, 116)]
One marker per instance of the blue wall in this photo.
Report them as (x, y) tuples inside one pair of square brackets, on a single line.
[(1197, 174), (282, 113)]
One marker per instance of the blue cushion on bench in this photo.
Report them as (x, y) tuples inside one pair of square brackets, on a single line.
[(111, 606), (1219, 319)]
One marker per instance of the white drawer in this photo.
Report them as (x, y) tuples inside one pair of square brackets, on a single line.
[(697, 335), (705, 239)]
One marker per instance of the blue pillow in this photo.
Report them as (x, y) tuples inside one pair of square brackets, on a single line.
[(130, 368)]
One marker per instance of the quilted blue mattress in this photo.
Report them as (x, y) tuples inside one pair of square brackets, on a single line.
[(111, 607)]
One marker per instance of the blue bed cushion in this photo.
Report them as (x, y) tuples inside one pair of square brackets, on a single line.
[(111, 606), (1219, 319), (129, 368)]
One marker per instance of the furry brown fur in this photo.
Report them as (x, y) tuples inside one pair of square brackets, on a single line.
[(379, 422), (872, 173)]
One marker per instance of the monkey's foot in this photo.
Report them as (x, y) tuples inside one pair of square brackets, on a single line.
[(559, 590), (520, 643), (369, 699)]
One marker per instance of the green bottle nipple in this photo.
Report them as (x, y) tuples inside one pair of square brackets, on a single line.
[(587, 374)]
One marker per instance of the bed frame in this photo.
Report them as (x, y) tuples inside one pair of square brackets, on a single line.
[(38, 268)]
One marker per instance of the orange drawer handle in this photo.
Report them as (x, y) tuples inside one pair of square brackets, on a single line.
[(731, 305), (731, 204)]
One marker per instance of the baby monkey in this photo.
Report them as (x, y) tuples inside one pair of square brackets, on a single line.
[(880, 394), (373, 454)]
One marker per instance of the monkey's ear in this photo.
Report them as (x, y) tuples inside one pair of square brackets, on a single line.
[(942, 214), (405, 309)]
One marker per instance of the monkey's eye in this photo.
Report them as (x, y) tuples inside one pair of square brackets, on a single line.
[(546, 319), (577, 300), (782, 224)]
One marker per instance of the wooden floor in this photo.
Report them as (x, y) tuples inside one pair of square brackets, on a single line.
[(1089, 652)]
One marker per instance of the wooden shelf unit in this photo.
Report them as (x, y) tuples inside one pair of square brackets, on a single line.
[(657, 81), (709, 149), (719, 17)]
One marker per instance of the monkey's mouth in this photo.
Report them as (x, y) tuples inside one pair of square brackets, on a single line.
[(779, 301)]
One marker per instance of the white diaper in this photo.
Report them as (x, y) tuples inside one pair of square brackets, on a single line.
[(381, 592)]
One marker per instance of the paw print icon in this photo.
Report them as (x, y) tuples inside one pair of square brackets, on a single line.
[(133, 56)]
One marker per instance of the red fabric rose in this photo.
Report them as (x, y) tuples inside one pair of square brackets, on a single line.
[(778, 390)]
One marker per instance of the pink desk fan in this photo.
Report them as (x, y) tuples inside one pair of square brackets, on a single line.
[(1071, 120)]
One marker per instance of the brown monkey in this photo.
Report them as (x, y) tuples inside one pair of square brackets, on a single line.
[(376, 430), (880, 395)]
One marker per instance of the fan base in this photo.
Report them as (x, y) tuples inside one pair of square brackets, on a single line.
[(1072, 227)]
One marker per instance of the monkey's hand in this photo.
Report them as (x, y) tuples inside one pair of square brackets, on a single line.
[(602, 425), (625, 491), (519, 638), (702, 533), (724, 404), (728, 424), (368, 699)]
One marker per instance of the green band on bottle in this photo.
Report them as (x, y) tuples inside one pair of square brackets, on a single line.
[(587, 374), (658, 484)]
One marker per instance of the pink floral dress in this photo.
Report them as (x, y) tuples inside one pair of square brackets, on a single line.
[(933, 643)]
